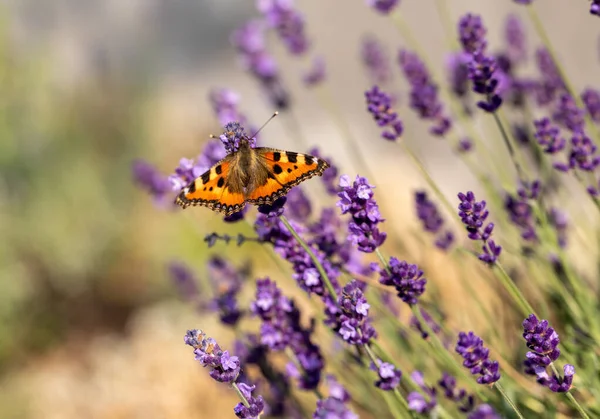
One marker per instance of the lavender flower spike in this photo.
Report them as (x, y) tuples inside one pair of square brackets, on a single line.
[(379, 104), (334, 406), (383, 6), (542, 340), (476, 358), (287, 21), (356, 199), (591, 100), (473, 215), (406, 278), (375, 60), (432, 220)]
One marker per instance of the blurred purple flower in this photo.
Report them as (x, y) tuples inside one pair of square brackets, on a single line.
[(568, 114), (550, 83), (150, 179), (389, 376), (432, 220), (476, 358), (591, 100), (317, 72), (226, 282), (595, 7), (379, 104), (485, 411), (424, 93), (558, 219), (383, 6), (473, 215), (225, 105), (287, 22), (356, 199), (460, 396), (330, 175), (416, 400), (334, 406), (548, 136), (415, 323), (184, 279), (514, 33), (471, 34), (375, 59), (458, 73)]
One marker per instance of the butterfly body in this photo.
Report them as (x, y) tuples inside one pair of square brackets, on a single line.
[(250, 175)]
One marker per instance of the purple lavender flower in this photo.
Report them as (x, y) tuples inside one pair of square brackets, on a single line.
[(375, 60), (330, 175), (379, 104), (465, 401), (514, 33), (415, 323), (149, 178), (485, 411), (251, 46), (223, 367), (298, 205), (416, 400), (482, 68), (476, 358), (473, 215), (316, 74), (281, 329), (521, 214), (184, 279), (551, 82), (188, 170), (591, 99), (225, 105), (406, 278), (357, 200), (256, 404), (542, 340), (558, 219), (424, 93), (471, 34), (383, 6), (432, 220), (548, 136), (389, 376), (226, 282), (334, 406), (351, 320), (595, 7), (287, 22), (568, 114), (582, 155), (233, 135), (458, 73), (465, 145)]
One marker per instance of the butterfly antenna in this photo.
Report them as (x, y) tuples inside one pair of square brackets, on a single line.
[(265, 124)]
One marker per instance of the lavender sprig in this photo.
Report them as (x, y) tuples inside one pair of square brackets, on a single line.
[(476, 358), (473, 215), (379, 104)]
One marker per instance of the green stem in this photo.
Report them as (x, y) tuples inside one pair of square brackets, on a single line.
[(240, 395), (575, 403), (514, 291), (313, 257), (509, 142), (508, 399)]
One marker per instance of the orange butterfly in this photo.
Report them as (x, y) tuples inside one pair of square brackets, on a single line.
[(255, 175)]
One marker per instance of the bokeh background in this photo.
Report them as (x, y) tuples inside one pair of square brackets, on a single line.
[(90, 324)]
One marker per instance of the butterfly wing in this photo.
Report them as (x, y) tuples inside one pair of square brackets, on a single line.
[(286, 170), (211, 190)]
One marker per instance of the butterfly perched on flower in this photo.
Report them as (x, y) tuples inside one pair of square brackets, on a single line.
[(255, 175)]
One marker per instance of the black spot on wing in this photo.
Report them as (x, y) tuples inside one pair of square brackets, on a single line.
[(309, 160), (277, 169), (192, 187), (221, 182), (218, 169), (289, 170), (270, 176), (292, 157), (277, 156), (205, 177)]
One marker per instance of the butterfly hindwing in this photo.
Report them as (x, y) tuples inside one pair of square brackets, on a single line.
[(286, 170), (211, 190)]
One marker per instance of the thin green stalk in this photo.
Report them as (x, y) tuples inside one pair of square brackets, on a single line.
[(509, 141), (508, 399), (240, 395), (575, 403), (313, 258), (514, 291)]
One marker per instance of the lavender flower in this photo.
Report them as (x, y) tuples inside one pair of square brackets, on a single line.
[(568, 114), (298, 205), (416, 400), (542, 340), (334, 406), (351, 320), (357, 200), (227, 282), (406, 278), (558, 219), (415, 323), (464, 400), (548, 136), (485, 411), (458, 73), (521, 214), (432, 220), (184, 279), (379, 104), (188, 169), (316, 74), (476, 358), (482, 68), (256, 404), (330, 175), (473, 215), (383, 6), (287, 22), (595, 7), (465, 145), (281, 329), (251, 46), (591, 100), (149, 178), (375, 60), (551, 82), (514, 34), (424, 93), (225, 105), (389, 376)]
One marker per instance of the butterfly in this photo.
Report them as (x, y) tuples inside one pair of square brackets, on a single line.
[(250, 175)]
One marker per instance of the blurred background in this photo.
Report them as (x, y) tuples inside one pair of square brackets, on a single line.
[(90, 324)]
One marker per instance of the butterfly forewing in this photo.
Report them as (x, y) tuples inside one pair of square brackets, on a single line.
[(286, 170)]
